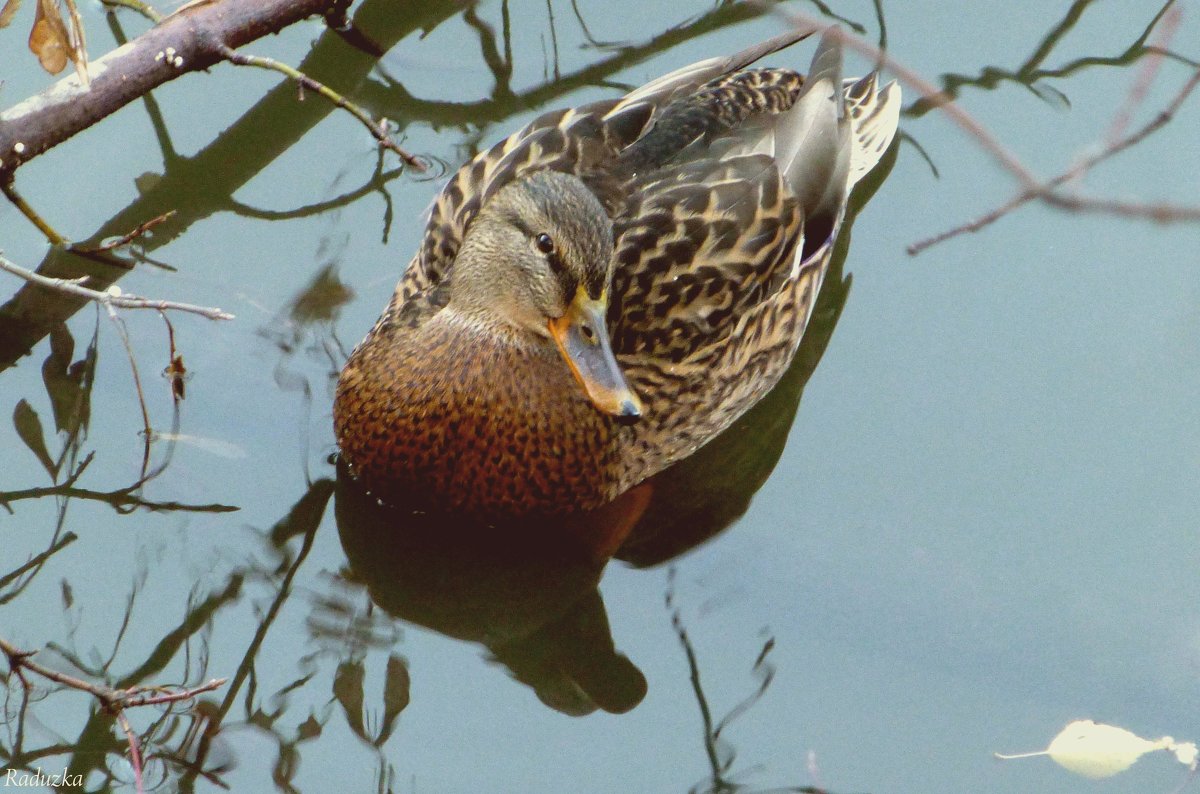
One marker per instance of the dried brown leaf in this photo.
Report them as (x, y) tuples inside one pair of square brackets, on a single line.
[(78, 51), (177, 374), (395, 696), (49, 40), (348, 691), (29, 430), (7, 13)]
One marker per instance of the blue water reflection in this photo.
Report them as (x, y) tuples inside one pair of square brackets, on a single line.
[(977, 526)]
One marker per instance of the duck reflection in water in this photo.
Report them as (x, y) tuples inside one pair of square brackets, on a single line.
[(524, 582), (527, 591)]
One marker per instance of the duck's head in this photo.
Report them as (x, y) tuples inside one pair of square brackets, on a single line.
[(536, 262)]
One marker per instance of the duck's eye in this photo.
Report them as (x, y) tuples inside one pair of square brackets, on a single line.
[(544, 243)]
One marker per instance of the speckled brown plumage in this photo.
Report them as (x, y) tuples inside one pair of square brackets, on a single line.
[(723, 206), (459, 424)]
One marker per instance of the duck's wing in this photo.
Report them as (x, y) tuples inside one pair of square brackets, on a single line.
[(723, 247), (720, 193), (585, 141)]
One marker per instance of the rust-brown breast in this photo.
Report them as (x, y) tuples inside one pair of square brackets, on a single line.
[(472, 423)]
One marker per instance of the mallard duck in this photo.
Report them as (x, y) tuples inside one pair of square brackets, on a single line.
[(608, 288)]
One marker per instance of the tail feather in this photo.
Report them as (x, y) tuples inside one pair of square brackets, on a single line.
[(812, 140), (833, 135), (874, 115)]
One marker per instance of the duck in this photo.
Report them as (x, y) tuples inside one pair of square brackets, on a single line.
[(605, 290)]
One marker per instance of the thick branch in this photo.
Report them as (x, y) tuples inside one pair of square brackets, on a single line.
[(200, 185), (190, 40)]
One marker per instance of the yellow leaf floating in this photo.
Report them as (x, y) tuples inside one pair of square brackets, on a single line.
[(1096, 750)]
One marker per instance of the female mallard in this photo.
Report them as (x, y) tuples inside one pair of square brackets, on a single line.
[(607, 289)]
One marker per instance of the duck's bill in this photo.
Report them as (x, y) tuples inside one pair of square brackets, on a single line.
[(582, 338)]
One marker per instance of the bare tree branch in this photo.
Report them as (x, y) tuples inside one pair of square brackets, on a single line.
[(273, 125), (1114, 144), (192, 39), (112, 297), (378, 129), (128, 237), (193, 185)]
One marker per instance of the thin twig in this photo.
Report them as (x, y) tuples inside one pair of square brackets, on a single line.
[(986, 219), (173, 697), (145, 9), (112, 296), (1145, 78), (78, 43), (378, 129), (115, 701), (122, 500), (20, 660), (1033, 70), (710, 745), (38, 559), (112, 699), (1162, 213), (376, 182), (968, 123), (147, 431), (126, 238), (79, 470), (10, 190), (1159, 212), (135, 757), (1031, 187)]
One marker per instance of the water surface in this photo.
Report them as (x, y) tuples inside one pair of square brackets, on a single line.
[(982, 523)]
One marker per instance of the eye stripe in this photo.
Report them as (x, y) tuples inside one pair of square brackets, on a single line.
[(570, 284), (516, 220), (595, 284)]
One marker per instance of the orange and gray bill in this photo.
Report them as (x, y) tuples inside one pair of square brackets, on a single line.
[(582, 338)]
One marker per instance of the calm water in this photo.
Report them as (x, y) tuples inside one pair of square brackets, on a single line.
[(982, 524)]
